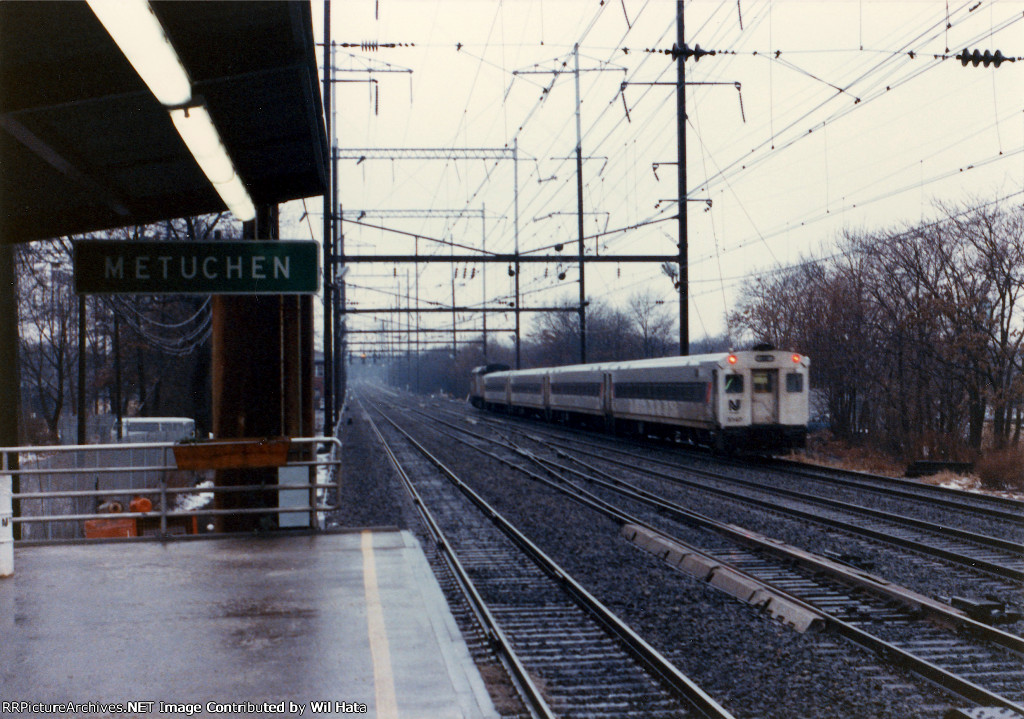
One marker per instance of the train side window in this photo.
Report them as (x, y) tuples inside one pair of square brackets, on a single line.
[(734, 384), (794, 382)]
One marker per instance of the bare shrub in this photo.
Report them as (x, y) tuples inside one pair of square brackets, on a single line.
[(825, 449), (1001, 469)]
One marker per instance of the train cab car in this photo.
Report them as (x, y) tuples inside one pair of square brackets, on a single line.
[(764, 401)]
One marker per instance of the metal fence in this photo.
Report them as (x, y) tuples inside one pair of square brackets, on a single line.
[(64, 491)]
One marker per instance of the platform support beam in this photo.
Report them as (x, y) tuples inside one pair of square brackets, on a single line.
[(10, 383), (262, 378)]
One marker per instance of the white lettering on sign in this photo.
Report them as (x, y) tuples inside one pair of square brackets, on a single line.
[(284, 267), (163, 268), (113, 268)]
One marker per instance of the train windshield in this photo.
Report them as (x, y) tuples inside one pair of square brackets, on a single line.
[(734, 383), (762, 382)]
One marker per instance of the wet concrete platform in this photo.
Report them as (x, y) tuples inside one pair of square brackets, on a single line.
[(257, 626)]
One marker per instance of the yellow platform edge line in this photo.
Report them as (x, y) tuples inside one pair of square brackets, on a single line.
[(383, 677)]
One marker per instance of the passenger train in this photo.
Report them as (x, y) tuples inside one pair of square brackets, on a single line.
[(750, 400)]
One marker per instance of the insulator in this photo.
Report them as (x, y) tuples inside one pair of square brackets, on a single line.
[(983, 58), (696, 53)]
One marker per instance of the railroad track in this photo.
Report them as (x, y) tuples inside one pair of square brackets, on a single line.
[(959, 500), (569, 655), (961, 504), (974, 552), (991, 554), (977, 662)]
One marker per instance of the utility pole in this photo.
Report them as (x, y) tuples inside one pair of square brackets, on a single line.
[(82, 434), (416, 270), (684, 289), (328, 236), (483, 276), (582, 309), (117, 376), (579, 208), (515, 202), (455, 324)]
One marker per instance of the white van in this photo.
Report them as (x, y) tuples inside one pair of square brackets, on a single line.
[(154, 429)]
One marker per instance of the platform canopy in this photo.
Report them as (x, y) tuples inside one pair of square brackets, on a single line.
[(85, 146)]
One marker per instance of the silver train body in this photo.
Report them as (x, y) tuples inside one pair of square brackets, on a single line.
[(755, 399)]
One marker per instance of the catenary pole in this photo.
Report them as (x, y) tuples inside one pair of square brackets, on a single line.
[(684, 311), (328, 237), (579, 210)]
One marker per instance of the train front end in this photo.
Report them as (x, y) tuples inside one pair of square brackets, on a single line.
[(763, 402)]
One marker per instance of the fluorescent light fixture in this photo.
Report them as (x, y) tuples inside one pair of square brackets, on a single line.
[(236, 198), (141, 37), (137, 31), (201, 137), (197, 130)]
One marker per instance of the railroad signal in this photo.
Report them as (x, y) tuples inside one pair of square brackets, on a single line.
[(983, 58)]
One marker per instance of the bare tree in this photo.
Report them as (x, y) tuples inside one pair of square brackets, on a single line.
[(49, 330), (916, 334), (653, 322)]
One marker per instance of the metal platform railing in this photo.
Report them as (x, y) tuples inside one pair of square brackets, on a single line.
[(65, 490)]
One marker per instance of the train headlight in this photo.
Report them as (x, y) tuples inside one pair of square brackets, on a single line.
[(796, 358), (732, 359)]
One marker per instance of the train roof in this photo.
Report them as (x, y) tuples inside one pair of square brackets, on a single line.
[(716, 358)]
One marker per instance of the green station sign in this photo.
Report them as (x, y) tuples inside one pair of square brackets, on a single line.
[(243, 267)]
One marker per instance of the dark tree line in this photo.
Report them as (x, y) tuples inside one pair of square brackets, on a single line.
[(643, 328), (914, 334), (157, 346)]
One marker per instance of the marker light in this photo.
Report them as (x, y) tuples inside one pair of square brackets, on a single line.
[(197, 130), (796, 358), (732, 359), (141, 37)]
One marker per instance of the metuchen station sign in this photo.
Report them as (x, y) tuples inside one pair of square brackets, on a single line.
[(245, 267)]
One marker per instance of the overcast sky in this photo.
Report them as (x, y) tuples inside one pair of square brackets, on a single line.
[(844, 118)]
